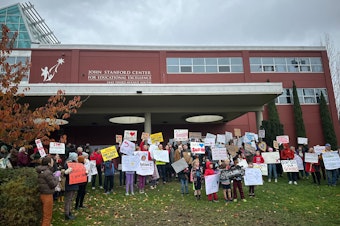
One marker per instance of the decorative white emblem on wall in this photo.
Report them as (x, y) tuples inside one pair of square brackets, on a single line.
[(48, 74)]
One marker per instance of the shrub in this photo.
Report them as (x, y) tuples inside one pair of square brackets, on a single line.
[(19, 197)]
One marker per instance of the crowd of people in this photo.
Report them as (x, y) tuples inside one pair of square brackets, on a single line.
[(54, 172)]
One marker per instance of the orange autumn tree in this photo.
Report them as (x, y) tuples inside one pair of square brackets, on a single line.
[(19, 124)]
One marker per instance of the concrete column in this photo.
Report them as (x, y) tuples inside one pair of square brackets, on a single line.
[(147, 123), (259, 119)]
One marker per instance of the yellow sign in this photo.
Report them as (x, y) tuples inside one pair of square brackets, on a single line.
[(109, 153), (156, 137)]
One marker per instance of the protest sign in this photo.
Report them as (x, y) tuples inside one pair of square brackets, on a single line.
[(311, 157), (289, 166), (212, 183), (127, 147), (275, 144), (119, 139), (231, 173), (243, 163), (331, 160), (210, 135), (195, 135), (249, 149), (161, 155), (197, 148), (209, 141), (57, 148), (181, 134), (232, 149), (180, 165), (92, 167), (130, 163), (109, 153), (145, 168), (319, 149), (78, 173), (228, 136), (271, 157), (248, 137), (282, 139), (142, 155), (145, 136), (219, 153), (130, 135), (302, 140), (40, 148), (253, 176), (221, 138), (156, 138), (237, 132), (263, 167), (299, 162), (262, 133), (262, 146)]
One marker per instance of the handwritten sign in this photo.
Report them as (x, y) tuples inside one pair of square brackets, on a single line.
[(302, 140), (40, 148), (127, 147), (299, 161), (156, 138), (253, 176), (109, 153), (57, 148), (78, 174), (237, 132), (219, 153), (209, 141), (228, 136), (319, 149), (263, 167), (145, 168), (212, 183), (161, 155), (197, 148), (282, 139), (271, 157), (181, 134), (180, 165), (262, 146), (232, 149), (195, 135), (262, 133), (243, 163), (145, 136), (331, 160), (289, 166), (130, 135), (119, 139), (130, 163), (92, 167), (248, 137), (311, 157), (221, 138)]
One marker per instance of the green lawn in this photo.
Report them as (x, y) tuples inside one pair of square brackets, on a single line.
[(274, 204)]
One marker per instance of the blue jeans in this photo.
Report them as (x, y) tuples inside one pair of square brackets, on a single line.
[(184, 186), (332, 176), (161, 171), (272, 170)]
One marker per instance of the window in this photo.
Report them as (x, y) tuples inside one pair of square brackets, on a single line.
[(306, 96), (285, 64), (15, 60), (205, 65)]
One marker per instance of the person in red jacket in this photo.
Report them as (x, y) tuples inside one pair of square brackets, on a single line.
[(96, 155), (258, 159), (314, 168), (288, 154), (210, 171)]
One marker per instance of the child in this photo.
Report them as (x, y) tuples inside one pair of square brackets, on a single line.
[(210, 171), (183, 176), (272, 169), (252, 187), (226, 183), (237, 180), (258, 159), (109, 171), (196, 178)]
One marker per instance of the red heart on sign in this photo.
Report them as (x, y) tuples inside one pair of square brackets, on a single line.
[(132, 133)]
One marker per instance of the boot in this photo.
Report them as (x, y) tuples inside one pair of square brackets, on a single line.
[(62, 198), (69, 217)]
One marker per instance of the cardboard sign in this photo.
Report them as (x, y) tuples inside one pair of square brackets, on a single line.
[(262, 133), (119, 139), (311, 157), (145, 136), (180, 165), (237, 132), (161, 155), (263, 167), (197, 148), (40, 148), (282, 139), (331, 160), (232, 149), (319, 149), (262, 146), (219, 153), (271, 157), (156, 138), (130, 135), (210, 135), (253, 176), (109, 153), (212, 183), (181, 134), (130, 163), (78, 174), (289, 166), (57, 148), (127, 147), (195, 135), (302, 140)]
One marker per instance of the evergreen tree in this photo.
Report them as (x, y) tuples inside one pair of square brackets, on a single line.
[(327, 125), (299, 124)]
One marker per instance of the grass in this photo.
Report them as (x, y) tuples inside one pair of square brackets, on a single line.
[(274, 204)]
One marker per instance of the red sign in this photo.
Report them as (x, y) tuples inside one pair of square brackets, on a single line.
[(78, 174)]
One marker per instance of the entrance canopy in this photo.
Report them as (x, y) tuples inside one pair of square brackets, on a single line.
[(167, 103)]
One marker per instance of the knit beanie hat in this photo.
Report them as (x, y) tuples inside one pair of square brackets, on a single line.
[(72, 156)]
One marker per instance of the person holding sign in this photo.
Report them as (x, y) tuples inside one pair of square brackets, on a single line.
[(237, 180), (161, 165), (314, 168), (109, 171), (70, 189), (197, 177), (288, 154), (141, 178), (331, 173), (96, 155), (210, 171), (271, 168)]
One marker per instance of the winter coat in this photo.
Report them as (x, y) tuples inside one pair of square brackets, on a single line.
[(208, 170), (109, 168), (46, 181), (68, 186)]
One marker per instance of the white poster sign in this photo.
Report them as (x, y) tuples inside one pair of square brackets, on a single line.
[(130, 135), (161, 155), (282, 139), (212, 183), (181, 134), (221, 138), (145, 168), (271, 157), (210, 135), (180, 165), (262, 133), (243, 163), (253, 176), (40, 148), (299, 162), (228, 136), (319, 149), (248, 137), (197, 148), (127, 147), (331, 160), (130, 163), (93, 168), (263, 167), (289, 166), (311, 157), (57, 148), (209, 141), (302, 140), (219, 153)]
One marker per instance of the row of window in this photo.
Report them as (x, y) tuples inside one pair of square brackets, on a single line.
[(235, 65), (306, 96), (14, 60)]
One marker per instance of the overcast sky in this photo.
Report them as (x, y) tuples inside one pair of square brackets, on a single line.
[(191, 22)]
